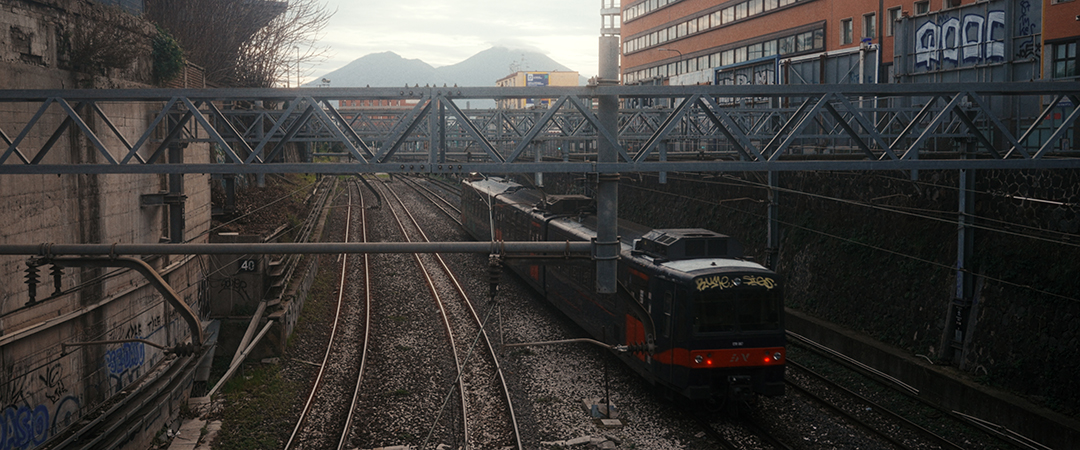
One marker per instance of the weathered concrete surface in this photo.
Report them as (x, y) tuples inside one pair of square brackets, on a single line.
[(53, 385)]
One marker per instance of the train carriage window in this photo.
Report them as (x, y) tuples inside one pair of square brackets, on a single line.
[(722, 311)]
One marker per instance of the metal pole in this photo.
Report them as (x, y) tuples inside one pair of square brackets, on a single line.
[(555, 250), (442, 135), (773, 227), (176, 197), (663, 157), (952, 344), (607, 189)]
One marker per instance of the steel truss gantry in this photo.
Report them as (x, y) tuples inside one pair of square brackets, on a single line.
[(694, 128)]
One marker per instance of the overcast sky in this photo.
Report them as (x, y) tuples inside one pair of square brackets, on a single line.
[(445, 32)]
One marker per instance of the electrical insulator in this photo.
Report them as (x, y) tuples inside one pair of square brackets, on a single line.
[(32, 282), (494, 272), (184, 350), (57, 272)]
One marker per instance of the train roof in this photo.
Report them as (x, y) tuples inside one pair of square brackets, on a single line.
[(712, 265), (680, 250)]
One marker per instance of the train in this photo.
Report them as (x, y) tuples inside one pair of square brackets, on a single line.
[(704, 323)]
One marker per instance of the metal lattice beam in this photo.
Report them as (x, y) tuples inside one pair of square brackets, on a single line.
[(724, 128)]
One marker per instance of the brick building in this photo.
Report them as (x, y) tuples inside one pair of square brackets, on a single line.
[(685, 42)]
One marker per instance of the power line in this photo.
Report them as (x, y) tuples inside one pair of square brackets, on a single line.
[(896, 211), (900, 210)]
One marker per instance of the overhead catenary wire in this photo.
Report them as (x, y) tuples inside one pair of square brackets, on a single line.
[(921, 216), (737, 182)]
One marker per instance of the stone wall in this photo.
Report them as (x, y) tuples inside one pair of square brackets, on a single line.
[(42, 381), (883, 263)]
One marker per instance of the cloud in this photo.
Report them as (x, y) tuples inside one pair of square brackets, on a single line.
[(443, 32)]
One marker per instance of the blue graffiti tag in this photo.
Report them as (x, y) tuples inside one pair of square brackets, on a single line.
[(127, 356), (23, 428)]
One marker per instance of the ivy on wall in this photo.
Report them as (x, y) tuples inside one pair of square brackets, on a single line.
[(167, 55)]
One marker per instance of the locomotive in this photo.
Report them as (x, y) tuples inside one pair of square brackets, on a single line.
[(704, 323)]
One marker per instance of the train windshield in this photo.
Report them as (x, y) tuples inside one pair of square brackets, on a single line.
[(720, 311)]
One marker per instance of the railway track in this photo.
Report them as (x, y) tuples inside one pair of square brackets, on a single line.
[(453, 189), (480, 392), (450, 209), (880, 405), (327, 414), (736, 430)]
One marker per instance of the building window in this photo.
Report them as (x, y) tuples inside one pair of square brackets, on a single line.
[(891, 19), (755, 51), (740, 11), (922, 7), (1065, 60), (729, 14), (845, 32), (805, 42), (952, 3), (787, 45), (869, 26), (768, 48), (756, 7)]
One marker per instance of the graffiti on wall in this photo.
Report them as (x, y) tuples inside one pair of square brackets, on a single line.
[(24, 427), (26, 424), (1028, 45), (945, 41), (125, 361), (978, 34)]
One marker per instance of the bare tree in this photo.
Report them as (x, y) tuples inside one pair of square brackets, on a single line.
[(277, 51), (245, 43)]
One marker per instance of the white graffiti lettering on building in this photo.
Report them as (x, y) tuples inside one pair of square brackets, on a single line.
[(969, 40)]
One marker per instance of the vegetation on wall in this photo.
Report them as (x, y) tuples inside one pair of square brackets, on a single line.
[(98, 45), (167, 55)]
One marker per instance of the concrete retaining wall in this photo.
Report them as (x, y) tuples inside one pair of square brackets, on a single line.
[(53, 386)]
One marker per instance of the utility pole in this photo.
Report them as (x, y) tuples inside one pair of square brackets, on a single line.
[(607, 184)]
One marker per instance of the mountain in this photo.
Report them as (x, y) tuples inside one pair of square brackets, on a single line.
[(386, 69), (488, 66), (389, 69)]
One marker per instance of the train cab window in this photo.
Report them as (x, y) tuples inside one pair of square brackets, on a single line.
[(742, 310)]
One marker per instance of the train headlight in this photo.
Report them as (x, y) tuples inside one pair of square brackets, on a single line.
[(776, 356), (698, 359)]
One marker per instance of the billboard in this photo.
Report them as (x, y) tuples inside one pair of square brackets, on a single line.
[(536, 79)]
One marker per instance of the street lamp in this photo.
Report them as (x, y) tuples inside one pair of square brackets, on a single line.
[(297, 65), (678, 62)]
